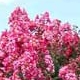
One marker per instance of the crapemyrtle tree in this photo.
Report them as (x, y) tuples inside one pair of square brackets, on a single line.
[(39, 49)]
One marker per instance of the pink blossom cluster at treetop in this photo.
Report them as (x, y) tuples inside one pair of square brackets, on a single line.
[(39, 49)]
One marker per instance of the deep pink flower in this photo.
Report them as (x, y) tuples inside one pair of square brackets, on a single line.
[(67, 73)]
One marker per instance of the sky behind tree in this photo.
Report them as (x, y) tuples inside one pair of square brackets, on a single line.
[(65, 10)]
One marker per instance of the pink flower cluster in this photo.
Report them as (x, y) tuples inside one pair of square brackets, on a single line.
[(21, 51), (28, 47), (67, 73)]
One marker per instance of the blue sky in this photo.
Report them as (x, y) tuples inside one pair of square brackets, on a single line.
[(65, 10)]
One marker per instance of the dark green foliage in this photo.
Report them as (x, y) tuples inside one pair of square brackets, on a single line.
[(10, 73)]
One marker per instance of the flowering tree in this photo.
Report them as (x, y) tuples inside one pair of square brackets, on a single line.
[(39, 49)]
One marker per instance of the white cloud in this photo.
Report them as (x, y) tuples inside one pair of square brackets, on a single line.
[(6, 1)]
